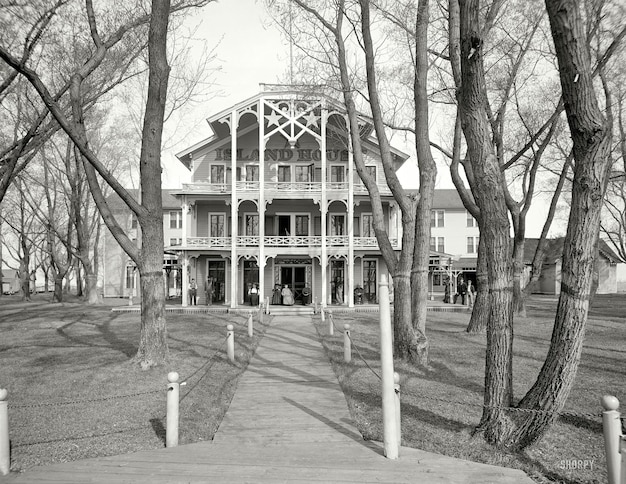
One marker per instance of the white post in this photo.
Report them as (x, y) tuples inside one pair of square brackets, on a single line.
[(230, 343), (171, 425), (267, 305), (322, 315), (250, 325), (331, 329), (396, 387), (612, 435), (390, 435), (347, 350), (5, 450)]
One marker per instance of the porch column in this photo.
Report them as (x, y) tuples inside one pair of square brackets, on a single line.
[(184, 211), (324, 210), (261, 209), (184, 282), (350, 263), (234, 205)]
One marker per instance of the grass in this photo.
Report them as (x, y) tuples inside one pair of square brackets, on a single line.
[(441, 405), (74, 392)]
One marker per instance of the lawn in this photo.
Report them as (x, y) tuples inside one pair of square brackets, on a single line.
[(441, 405), (75, 393)]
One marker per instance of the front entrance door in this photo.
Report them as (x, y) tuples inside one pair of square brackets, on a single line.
[(217, 271), (295, 277)]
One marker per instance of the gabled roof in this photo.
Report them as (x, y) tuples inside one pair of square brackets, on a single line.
[(287, 92), (554, 250)]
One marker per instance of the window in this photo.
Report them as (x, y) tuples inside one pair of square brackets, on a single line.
[(471, 221), (217, 174), (371, 171), (472, 245), (303, 174), (217, 225), (337, 225), (284, 173), (302, 225), (133, 222), (176, 219), (252, 224), (337, 174), (252, 173), (175, 241), (437, 244), (367, 225), (130, 277), (437, 218)]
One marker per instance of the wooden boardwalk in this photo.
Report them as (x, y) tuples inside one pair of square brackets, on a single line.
[(288, 422)]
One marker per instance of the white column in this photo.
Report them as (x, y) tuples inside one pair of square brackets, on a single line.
[(261, 262), (324, 211), (350, 268), (184, 283), (234, 225), (184, 213)]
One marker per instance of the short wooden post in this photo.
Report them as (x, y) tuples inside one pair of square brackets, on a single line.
[(612, 435), (250, 325), (322, 315), (331, 326), (390, 435), (230, 343), (347, 349), (130, 299), (396, 387), (267, 305), (171, 425), (5, 448), (315, 310)]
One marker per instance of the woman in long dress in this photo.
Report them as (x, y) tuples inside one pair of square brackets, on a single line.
[(276, 295), (287, 296)]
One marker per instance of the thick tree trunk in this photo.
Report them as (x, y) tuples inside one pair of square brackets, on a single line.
[(57, 296), (591, 135), (480, 312), (153, 349), (494, 226), (404, 338)]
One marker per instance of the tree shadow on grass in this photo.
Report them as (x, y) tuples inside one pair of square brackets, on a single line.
[(159, 428)]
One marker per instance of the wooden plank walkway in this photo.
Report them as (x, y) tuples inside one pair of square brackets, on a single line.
[(288, 422)]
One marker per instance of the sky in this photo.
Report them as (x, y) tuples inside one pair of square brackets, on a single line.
[(251, 51)]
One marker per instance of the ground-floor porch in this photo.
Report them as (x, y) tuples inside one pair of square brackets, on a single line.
[(333, 280)]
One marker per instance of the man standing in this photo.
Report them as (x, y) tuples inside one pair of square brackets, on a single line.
[(462, 290), (209, 291), (193, 292)]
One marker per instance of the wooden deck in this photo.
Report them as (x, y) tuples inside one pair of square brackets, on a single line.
[(288, 422)]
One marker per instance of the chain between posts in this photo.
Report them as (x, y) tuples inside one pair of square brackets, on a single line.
[(589, 416)]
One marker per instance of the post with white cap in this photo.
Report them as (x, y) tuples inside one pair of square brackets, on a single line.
[(5, 448), (611, 425), (347, 349), (331, 325), (250, 325), (171, 425), (230, 342), (390, 432)]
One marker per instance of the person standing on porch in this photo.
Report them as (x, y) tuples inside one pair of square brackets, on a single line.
[(209, 291), (287, 296), (470, 294), (193, 293)]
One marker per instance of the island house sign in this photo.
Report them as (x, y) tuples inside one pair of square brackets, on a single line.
[(282, 155)]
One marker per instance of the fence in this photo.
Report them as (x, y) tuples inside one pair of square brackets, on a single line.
[(171, 417), (612, 421)]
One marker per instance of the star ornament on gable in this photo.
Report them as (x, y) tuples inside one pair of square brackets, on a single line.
[(311, 119), (273, 119)]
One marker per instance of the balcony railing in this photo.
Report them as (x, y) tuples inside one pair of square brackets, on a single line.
[(315, 241), (291, 187)]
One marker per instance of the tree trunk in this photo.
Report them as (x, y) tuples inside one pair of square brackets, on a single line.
[(153, 349), (480, 312), (591, 135), (519, 301), (405, 341), (57, 296), (494, 225)]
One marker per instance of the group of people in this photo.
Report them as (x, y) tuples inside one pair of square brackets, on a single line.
[(465, 291), (209, 291), (283, 295)]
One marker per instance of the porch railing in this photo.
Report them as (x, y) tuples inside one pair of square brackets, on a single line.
[(281, 241)]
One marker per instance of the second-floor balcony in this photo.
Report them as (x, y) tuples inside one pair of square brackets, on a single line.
[(313, 241), (286, 187)]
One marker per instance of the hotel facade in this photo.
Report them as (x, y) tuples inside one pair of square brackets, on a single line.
[(275, 200)]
